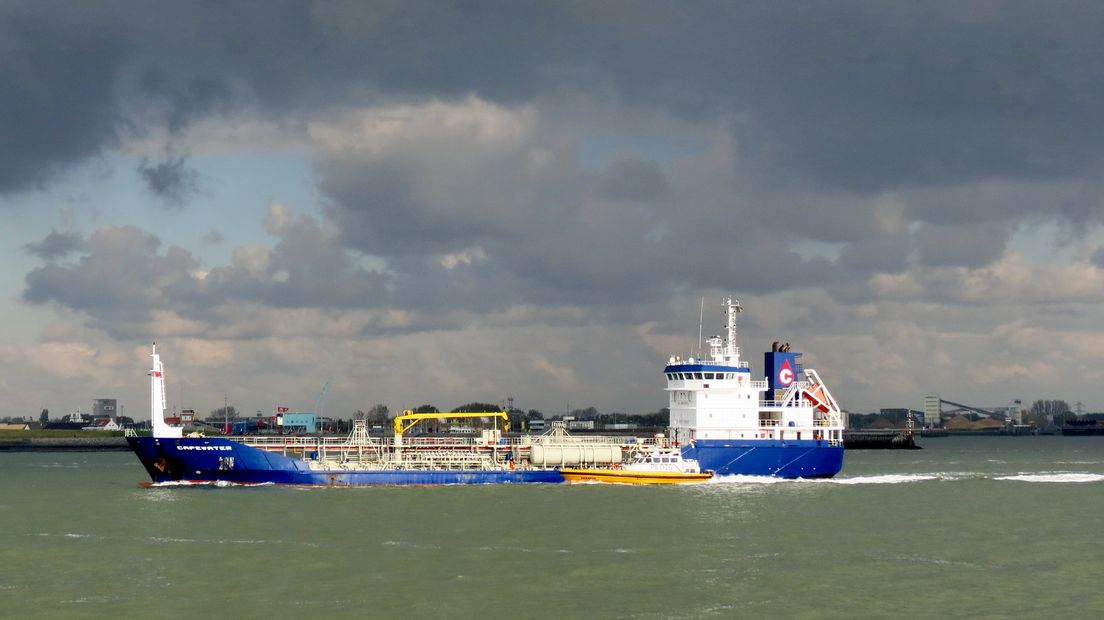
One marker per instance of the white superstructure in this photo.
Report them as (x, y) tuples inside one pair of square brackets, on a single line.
[(716, 398), (668, 459)]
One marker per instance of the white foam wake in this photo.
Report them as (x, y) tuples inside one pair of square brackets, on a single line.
[(884, 479), (1055, 477), (206, 483), (741, 479)]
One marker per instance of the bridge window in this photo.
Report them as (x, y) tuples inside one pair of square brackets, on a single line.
[(698, 376), (709, 376)]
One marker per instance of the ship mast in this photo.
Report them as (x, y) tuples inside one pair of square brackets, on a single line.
[(157, 400), (732, 308)]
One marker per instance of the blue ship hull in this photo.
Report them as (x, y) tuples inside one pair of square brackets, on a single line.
[(780, 459), (213, 459)]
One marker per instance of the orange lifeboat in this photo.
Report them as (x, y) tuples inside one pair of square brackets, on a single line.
[(818, 397)]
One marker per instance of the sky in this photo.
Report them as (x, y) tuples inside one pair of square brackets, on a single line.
[(446, 202)]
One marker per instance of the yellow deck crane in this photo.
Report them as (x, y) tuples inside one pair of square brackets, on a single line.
[(408, 419)]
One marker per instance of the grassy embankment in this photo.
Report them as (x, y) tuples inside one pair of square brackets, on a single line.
[(57, 434)]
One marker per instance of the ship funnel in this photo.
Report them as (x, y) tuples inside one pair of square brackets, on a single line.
[(157, 400)]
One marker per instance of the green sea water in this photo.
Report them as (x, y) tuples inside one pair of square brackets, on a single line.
[(985, 527)]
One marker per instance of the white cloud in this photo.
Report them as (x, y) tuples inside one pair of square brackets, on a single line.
[(1009, 280), (252, 258), (467, 257), (278, 218), (404, 129)]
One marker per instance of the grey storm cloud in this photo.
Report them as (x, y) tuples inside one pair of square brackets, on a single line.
[(634, 180), (171, 180), (887, 253), (1098, 258), (184, 100), (860, 95), (57, 105), (120, 276), (966, 113), (859, 172), (962, 245), (214, 237), (123, 276), (305, 269), (56, 245)]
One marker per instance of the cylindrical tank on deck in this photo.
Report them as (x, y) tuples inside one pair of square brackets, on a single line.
[(542, 455)]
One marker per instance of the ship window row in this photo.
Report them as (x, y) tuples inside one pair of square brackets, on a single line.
[(660, 459), (707, 376)]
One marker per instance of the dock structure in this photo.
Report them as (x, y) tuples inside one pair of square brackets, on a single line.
[(889, 439)]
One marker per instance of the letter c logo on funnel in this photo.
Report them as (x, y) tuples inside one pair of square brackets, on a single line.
[(786, 374)]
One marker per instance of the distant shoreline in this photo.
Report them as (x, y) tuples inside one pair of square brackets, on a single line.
[(63, 444)]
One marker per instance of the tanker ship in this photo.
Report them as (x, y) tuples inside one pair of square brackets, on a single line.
[(786, 425), (362, 459)]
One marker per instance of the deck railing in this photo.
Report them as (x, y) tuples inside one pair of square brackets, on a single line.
[(344, 447)]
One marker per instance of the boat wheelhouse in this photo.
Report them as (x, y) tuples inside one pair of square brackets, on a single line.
[(661, 463)]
